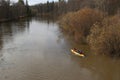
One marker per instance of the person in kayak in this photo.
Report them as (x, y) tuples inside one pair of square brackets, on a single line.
[(80, 51)]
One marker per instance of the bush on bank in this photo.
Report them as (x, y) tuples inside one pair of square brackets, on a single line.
[(102, 33), (78, 23), (105, 37)]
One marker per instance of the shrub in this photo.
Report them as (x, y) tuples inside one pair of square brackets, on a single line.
[(79, 23), (105, 37)]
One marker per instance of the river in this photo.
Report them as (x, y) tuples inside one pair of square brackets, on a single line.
[(36, 49)]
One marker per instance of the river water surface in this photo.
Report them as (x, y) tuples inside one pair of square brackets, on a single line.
[(35, 49)]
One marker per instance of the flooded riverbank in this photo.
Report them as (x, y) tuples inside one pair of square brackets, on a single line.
[(36, 50)]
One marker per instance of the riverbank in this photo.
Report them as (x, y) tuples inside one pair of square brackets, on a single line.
[(13, 19), (93, 27)]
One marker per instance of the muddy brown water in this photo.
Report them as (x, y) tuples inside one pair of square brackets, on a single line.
[(36, 49)]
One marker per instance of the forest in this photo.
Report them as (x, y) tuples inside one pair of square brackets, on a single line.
[(13, 11), (109, 7)]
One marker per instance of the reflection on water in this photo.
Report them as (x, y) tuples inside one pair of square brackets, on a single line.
[(37, 50), (9, 30)]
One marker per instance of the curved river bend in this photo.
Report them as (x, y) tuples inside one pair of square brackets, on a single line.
[(36, 50)]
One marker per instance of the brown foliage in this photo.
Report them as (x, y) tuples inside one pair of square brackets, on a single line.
[(105, 37), (79, 23)]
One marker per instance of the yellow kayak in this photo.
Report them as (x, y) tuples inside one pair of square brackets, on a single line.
[(76, 53)]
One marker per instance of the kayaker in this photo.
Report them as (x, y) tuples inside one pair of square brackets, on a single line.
[(80, 51)]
